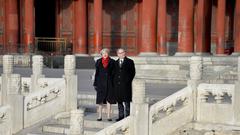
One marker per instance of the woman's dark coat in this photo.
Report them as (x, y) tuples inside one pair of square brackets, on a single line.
[(103, 82), (123, 77)]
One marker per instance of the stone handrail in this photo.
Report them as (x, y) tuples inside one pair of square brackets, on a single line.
[(217, 91), (220, 102), (122, 125), (3, 113), (168, 103), (38, 103), (5, 120), (162, 113), (45, 94)]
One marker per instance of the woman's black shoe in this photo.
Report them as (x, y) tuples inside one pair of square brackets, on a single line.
[(109, 119), (99, 119)]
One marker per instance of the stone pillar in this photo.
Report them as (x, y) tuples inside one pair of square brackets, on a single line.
[(239, 69), (185, 28), (149, 19), (11, 28), (162, 27), (139, 109), (76, 122), (98, 26), (220, 27), (7, 72), (28, 25), (236, 101), (80, 36), (37, 71), (236, 28), (196, 68), (195, 78), (71, 82), (203, 25)]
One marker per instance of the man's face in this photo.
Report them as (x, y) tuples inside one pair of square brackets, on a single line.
[(121, 54)]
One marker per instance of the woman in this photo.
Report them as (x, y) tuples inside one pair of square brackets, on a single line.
[(103, 83)]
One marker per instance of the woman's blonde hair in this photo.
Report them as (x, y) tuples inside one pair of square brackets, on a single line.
[(104, 50)]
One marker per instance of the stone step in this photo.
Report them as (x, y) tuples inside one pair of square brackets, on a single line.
[(90, 121), (45, 133), (87, 123), (56, 128), (59, 129)]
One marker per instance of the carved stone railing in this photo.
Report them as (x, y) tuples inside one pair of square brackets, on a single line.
[(218, 102), (160, 114), (121, 126), (36, 104), (5, 120)]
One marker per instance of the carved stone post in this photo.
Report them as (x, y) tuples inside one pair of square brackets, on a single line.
[(195, 77), (238, 68), (139, 109), (236, 101), (37, 71), (71, 82), (196, 68), (11, 84), (76, 122), (7, 72)]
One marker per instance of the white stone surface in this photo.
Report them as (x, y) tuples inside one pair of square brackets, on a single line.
[(7, 64), (5, 120), (76, 122), (69, 65), (196, 68), (38, 104), (220, 98), (37, 71)]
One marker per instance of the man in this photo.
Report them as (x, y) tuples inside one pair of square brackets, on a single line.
[(124, 73)]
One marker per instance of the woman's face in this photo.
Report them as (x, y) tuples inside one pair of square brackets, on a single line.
[(104, 54)]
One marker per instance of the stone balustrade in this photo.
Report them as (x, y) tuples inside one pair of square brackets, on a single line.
[(122, 126), (5, 120), (169, 109), (32, 98), (220, 93), (218, 102), (169, 104), (37, 104)]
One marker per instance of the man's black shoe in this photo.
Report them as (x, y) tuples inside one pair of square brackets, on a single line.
[(119, 119)]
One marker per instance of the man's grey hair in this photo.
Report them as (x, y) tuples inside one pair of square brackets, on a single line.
[(104, 50), (120, 49)]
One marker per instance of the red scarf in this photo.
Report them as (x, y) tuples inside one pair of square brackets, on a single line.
[(105, 62)]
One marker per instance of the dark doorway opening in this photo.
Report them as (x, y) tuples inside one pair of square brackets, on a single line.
[(45, 18)]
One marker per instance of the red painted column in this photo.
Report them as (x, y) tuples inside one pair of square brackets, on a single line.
[(220, 27), (11, 26), (98, 26), (237, 28), (162, 27), (28, 26), (203, 25), (149, 29), (185, 27), (80, 33), (139, 26)]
